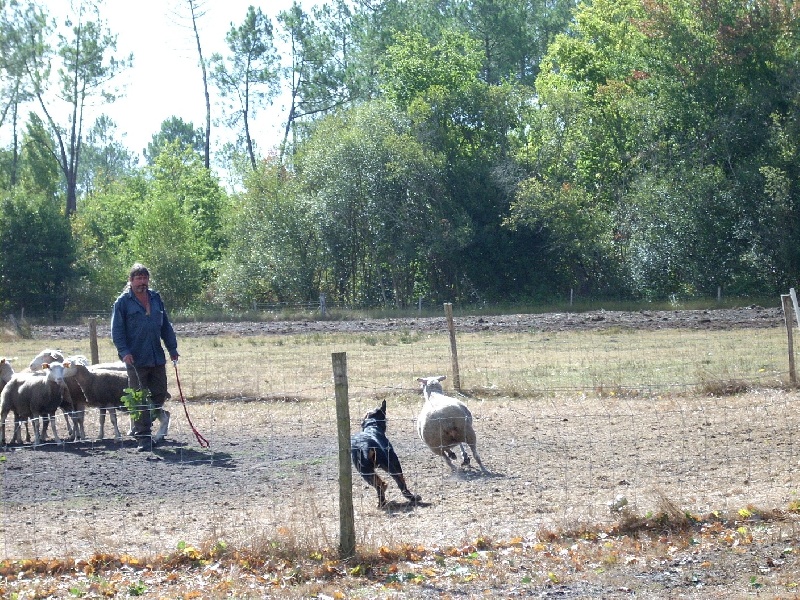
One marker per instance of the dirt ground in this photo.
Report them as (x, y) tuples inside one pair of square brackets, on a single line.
[(271, 471), (752, 316)]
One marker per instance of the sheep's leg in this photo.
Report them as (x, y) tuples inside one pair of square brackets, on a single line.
[(52, 419), (446, 454), (17, 439), (79, 429), (464, 455), (472, 442), (43, 425), (70, 429), (37, 439), (102, 420), (112, 414)]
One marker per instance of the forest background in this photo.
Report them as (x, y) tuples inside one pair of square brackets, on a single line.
[(457, 151)]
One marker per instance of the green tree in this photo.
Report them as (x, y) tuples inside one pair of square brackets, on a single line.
[(39, 171), (247, 79), (655, 113), (21, 30), (181, 175), (101, 228), (104, 159), (36, 255), (175, 130), (382, 211), (85, 70), (274, 253), (164, 239), (315, 79)]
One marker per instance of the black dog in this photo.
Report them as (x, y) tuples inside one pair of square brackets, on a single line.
[(371, 448)]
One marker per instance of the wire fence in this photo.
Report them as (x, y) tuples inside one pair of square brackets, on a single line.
[(573, 427)]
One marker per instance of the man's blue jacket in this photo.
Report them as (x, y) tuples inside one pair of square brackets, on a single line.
[(135, 332)]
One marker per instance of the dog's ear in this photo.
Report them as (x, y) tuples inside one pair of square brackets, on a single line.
[(383, 405)]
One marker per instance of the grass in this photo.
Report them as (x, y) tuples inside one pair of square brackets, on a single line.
[(605, 362)]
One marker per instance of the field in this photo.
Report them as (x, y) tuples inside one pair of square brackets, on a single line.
[(570, 421)]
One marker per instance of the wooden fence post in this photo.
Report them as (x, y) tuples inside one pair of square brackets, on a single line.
[(788, 309), (448, 311), (347, 530), (93, 340), (793, 295)]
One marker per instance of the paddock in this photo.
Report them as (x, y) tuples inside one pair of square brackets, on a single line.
[(271, 473)]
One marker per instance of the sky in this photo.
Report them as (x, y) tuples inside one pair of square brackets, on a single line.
[(165, 79)]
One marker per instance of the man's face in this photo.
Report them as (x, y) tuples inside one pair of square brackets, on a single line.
[(139, 283)]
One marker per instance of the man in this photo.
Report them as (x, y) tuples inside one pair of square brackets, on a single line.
[(139, 323)]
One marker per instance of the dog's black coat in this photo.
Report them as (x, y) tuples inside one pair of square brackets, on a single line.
[(371, 449)]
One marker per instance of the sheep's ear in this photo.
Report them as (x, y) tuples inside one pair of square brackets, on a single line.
[(421, 380), (441, 377)]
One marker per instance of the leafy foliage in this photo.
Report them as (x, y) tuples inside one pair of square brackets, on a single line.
[(377, 196), (37, 252)]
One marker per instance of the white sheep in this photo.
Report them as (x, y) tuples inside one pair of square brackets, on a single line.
[(103, 388), (445, 422), (6, 372), (48, 355), (34, 396), (79, 402)]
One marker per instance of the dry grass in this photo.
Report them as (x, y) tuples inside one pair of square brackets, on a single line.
[(609, 363)]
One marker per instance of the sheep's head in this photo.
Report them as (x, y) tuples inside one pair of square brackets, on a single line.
[(55, 372), (45, 356), (431, 384), (6, 370)]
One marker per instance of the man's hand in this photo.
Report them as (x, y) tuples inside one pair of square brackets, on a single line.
[(128, 359)]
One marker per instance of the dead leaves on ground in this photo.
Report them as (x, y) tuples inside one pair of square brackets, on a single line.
[(549, 559)]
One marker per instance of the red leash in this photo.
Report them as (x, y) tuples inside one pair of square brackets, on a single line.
[(200, 439)]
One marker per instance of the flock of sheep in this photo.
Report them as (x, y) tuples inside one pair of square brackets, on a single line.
[(52, 382)]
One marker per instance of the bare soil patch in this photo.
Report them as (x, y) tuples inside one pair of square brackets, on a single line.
[(752, 316)]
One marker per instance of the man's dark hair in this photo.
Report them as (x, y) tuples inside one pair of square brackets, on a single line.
[(138, 269)]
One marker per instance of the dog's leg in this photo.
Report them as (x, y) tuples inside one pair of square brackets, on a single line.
[(396, 473), (380, 485), (401, 483)]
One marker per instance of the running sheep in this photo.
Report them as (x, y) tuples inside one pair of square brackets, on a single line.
[(445, 422)]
